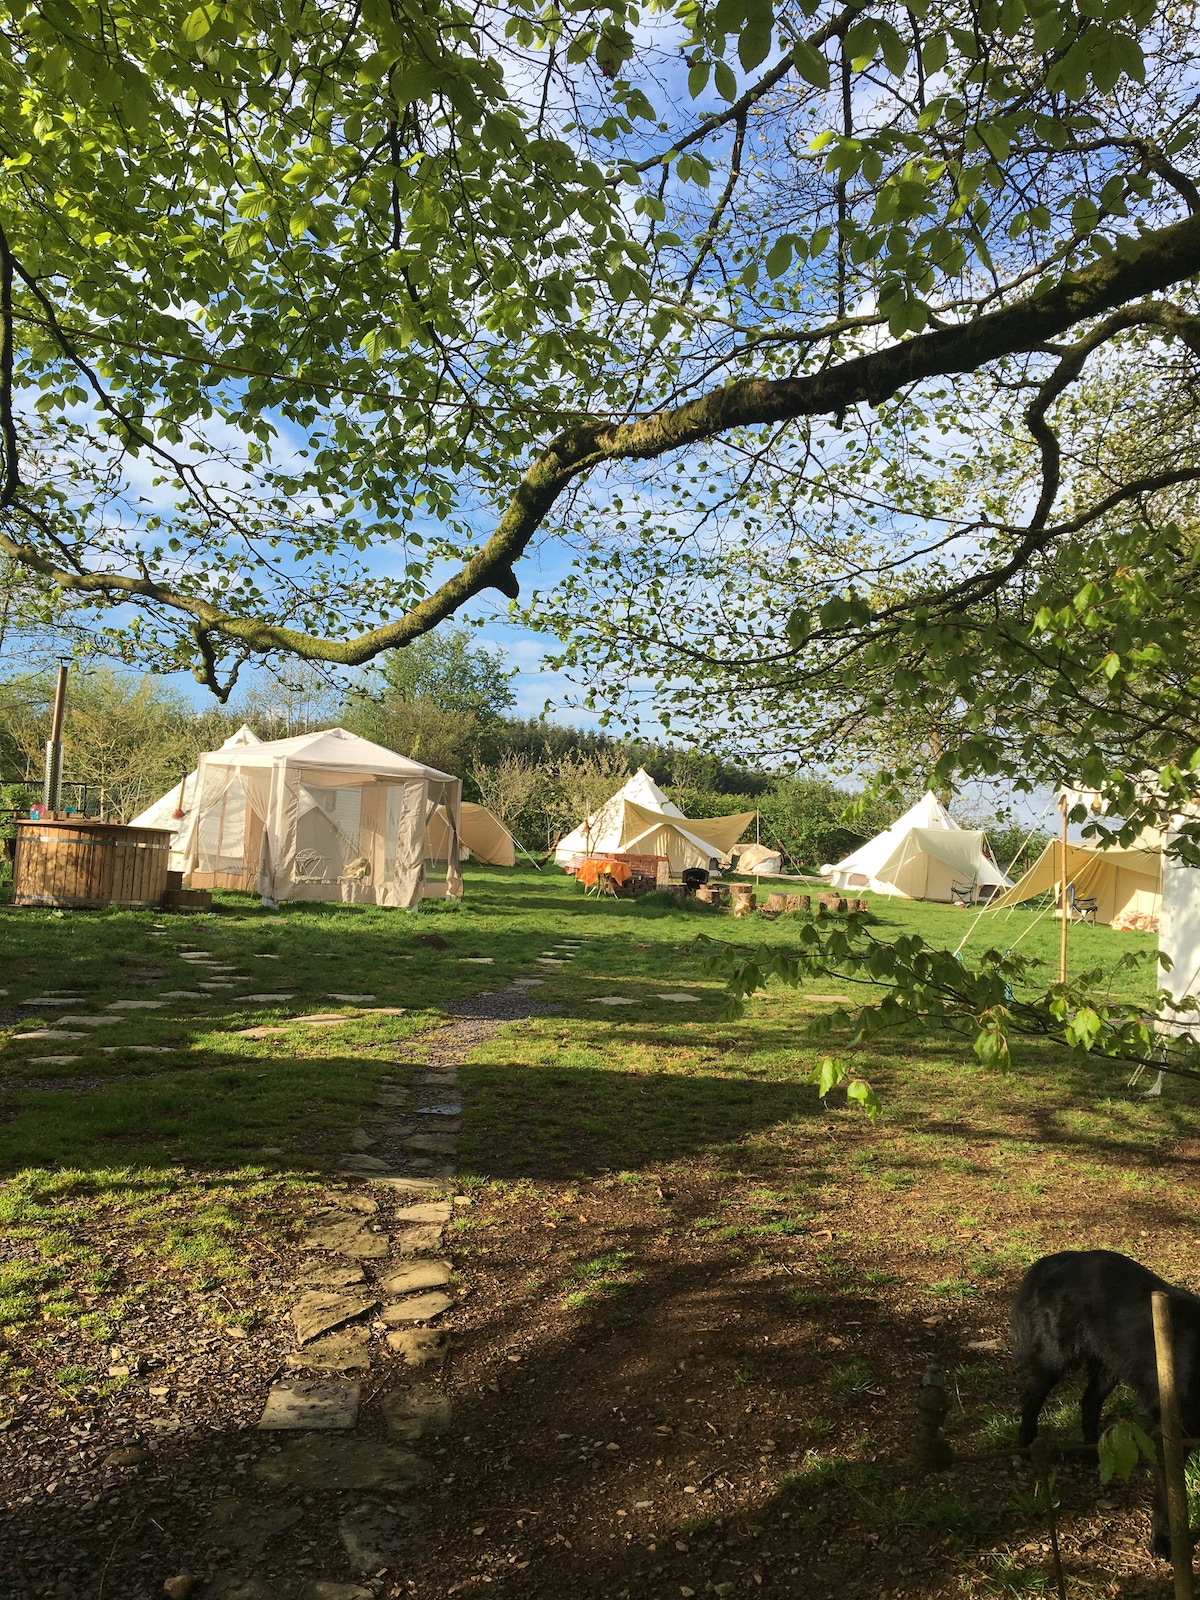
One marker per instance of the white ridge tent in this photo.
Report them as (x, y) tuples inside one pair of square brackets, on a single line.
[(761, 859), (640, 820), (324, 816), (162, 813), (924, 855), (480, 834)]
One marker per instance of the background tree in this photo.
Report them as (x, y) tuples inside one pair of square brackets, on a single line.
[(442, 281)]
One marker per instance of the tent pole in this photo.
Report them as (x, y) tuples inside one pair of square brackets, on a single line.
[(1064, 909)]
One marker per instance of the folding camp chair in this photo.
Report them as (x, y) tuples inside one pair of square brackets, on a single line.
[(1081, 910)]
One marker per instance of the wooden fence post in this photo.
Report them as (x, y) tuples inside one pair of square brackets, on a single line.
[(1172, 1448)]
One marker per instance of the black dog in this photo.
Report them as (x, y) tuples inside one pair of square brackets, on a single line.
[(1091, 1309)]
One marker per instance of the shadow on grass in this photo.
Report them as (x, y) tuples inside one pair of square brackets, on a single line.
[(688, 1436)]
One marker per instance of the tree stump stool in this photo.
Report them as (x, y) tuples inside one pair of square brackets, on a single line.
[(743, 898), (799, 902), (830, 902)]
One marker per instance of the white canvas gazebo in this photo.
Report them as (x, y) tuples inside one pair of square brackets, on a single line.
[(639, 819), (924, 855), (324, 816), (162, 813)]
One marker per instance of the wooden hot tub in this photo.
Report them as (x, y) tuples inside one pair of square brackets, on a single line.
[(74, 862)]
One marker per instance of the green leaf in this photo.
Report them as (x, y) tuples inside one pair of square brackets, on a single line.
[(798, 627), (698, 78), (724, 81), (861, 1092), (754, 42), (779, 256), (198, 24), (934, 53), (1120, 1449), (811, 64)]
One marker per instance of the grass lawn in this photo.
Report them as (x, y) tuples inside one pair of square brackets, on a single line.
[(697, 1302)]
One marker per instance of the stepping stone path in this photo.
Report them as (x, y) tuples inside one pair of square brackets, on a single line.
[(374, 1295)]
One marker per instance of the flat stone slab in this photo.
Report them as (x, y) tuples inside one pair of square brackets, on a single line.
[(323, 1019), (348, 1350), (351, 999), (359, 1163), (318, 1275), (311, 1403), (48, 1000), (321, 1589), (404, 1185), (51, 1033), (53, 1061), (436, 1144), (136, 1005), (526, 983), (417, 1308), (322, 1463), (420, 1347), (266, 999), (344, 1233), (416, 1413), (360, 1139), (612, 1000), (246, 1527), (479, 961), (418, 1241), (88, 1021), (681, 998), (426, 1211), (387, 1011), (439, 1078), (319, 1312), (377, 1536), (422, 1275), (830, 999), (184, 994), (437, 1111), (552, 961)]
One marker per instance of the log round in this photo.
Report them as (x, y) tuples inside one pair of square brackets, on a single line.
[(72, 862)]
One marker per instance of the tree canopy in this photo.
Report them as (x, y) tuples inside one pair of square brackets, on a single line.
[(286, 286)]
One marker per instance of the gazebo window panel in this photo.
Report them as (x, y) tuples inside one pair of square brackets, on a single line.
[(329, 843), (221, 829)]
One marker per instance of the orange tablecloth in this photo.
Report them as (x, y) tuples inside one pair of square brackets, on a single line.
[(591, 868)]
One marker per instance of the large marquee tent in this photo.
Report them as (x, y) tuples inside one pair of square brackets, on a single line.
[(324, 816), (162, 813), (1125, 882), (640, 820), (924, 855)]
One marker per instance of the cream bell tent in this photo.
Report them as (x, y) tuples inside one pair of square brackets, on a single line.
[(324, 816), (1126, 883), (640, 820), (480, 834), (924, 855), (162, 813)]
